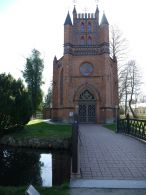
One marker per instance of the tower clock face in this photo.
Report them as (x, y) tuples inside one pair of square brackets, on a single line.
[(86, 69)]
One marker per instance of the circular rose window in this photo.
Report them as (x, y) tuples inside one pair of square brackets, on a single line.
[(86, 69)]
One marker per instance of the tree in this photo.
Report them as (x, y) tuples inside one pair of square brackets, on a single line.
[(134, 84), (48, 98), (118, 45), (130, 85), (142, 99), (118, 51), (15, 104), (123, 89), (128, 76), (33, 77)]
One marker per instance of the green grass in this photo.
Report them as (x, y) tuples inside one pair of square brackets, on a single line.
[(60, 190), (38, 128), (142, 117), (110, 126)]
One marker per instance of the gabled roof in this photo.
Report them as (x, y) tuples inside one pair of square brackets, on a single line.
[(68, 20)]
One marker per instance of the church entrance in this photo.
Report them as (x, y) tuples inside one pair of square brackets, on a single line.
[(87, 108)]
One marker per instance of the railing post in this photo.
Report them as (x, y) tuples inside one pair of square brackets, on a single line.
[(128, 124), (75, 144), (118, 124), (117, 117), (144, 131)]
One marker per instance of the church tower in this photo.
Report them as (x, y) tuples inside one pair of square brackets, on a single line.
[(85, 78)]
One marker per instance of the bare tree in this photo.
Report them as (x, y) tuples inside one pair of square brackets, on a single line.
[(142, 99), (130, 86), (134, 84), (119, 50), (128, 74), (123, 89), (118, 45)]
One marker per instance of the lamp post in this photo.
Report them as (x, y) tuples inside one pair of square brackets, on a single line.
[(76, 109), (76, 114)]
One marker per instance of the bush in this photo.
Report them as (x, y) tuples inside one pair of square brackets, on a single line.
[(15, 104)]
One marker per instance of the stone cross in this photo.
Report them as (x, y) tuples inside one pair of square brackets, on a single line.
[(85, 9), (74, 1)]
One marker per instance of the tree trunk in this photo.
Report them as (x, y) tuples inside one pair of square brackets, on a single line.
[(131, 109)]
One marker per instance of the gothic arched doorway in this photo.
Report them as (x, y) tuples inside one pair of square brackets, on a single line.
[(87, 107)]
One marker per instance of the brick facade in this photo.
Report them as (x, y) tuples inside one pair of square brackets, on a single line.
[(85, 78)]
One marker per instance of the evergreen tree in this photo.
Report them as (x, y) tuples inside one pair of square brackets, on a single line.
[(48, 98), (15, 104), (33, 77)]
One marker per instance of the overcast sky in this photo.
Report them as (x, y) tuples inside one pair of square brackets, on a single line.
[(28, 24)]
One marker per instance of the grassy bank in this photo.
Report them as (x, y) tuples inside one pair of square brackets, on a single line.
[(61, 190), (39, 128), (110, 126)]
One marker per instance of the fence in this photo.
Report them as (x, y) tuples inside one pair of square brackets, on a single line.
[(135, 127)]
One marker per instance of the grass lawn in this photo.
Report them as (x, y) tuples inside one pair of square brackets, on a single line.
[(142, 117), (60, 190), (110, 126), (39, 128)]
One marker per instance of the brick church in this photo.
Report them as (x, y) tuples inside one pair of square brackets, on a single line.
[(85, 77)]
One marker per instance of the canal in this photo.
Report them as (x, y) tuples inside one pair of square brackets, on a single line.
[(19, 167)]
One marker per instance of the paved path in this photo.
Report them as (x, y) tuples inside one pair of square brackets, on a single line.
[(95, 191), (110, 163), (105, 155)]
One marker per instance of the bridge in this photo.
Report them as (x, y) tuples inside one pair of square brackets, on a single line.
[(108, 160)]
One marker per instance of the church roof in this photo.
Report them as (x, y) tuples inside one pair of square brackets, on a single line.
[(68, 20), (104, 19)]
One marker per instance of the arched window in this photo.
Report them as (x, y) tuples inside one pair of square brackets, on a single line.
[(86, 95), (89, 40), (61, 87), (89, 27), (82, 27), (82, 40)]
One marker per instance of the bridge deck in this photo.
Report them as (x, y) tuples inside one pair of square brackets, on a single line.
[(105, 155)]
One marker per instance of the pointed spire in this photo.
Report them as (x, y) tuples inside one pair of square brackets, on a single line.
[(104, 19), (74, 10), (74, 14), (114, 58), (97, 14), (55, 60), (97, 10), (68, 20)]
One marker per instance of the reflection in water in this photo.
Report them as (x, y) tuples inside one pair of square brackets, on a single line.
[(20, 167), (46, 169), (60, 168)]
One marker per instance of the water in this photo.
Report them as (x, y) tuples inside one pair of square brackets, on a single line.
[(19, 167)]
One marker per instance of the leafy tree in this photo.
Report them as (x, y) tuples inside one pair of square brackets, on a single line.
[(15, 104), (48, 98), (33, 77)]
